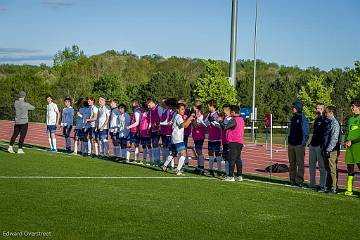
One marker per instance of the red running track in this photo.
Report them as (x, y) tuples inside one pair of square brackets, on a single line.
[(255, 157)]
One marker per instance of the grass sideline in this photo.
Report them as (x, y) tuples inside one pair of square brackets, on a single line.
[(158, 207)]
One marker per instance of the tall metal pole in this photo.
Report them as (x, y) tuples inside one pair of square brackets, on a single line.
[(232, 71), (254, 78)]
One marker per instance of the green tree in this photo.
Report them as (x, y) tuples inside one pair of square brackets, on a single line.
[(314, 92), (164, 85), (72, 53), (213, 84), (354, 91)]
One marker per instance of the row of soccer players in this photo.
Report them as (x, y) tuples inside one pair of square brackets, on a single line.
[(147, 126)]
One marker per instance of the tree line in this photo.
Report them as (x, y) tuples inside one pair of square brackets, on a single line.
[(124, 75)]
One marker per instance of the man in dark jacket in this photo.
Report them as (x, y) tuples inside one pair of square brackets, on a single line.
[(315, 150), (298, 136), (331, 148)]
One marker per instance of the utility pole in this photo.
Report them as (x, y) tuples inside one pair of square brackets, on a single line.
[(233, 42), (253, 116)]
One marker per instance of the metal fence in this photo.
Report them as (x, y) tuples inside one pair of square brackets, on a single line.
[(37, 115)]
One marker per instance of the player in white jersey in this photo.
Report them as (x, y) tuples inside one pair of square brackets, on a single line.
[(67, 121), (102, 127), (52, 122), (124, 134), (114, 127), (90, 127), (177, 138)]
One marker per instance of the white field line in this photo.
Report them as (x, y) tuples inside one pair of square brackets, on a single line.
[(99, 177)]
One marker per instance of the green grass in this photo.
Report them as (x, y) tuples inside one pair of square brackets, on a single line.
[(200, 208)]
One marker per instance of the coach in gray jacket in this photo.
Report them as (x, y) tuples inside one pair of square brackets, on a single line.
[(21, 122)]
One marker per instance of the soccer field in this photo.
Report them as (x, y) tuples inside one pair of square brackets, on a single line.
[(83, 198)]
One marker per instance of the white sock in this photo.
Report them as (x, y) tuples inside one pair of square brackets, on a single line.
[(89, 147), (218, 160), (172, 163), (181, 163), (50, 143), (211, 162), (75, 146), (168, 160), (128, 154), (136, 153), (96, 145), (54, 143)]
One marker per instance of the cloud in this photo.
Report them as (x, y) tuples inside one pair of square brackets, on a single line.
[(18, 51), (57, 3), (23, 56)]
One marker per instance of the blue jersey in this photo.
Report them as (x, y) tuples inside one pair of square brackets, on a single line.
[(84, 115), (67, 118)]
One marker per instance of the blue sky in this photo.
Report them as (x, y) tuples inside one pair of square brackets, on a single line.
[(321, 33)]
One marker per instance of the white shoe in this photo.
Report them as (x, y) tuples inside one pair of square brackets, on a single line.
[(239, 178), (74, 153), (229, 179), (20, 151), (179, 173), (10, 149)]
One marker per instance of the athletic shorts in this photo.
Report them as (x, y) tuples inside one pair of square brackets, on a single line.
[(67, 131), (166, 141), (134, 138), (214, 146), (199, 145), (114, 136), (91, 132), (352, 155), (51, 128), (178, 147), (155, 138), (145, 141), (79, 133), (103, 135), (124, 140)]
